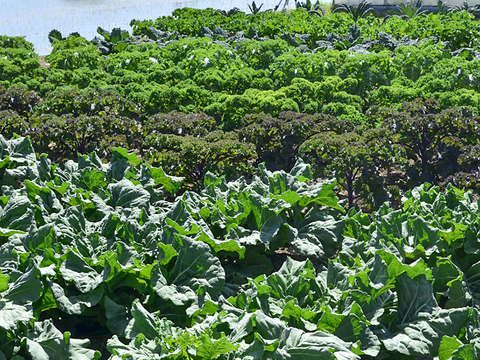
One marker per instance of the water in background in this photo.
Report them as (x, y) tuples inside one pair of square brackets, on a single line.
[(34, 19)]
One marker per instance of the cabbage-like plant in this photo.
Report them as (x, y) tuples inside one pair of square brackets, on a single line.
[(12, 123), (357, 11), (343, 43), (115, 41)]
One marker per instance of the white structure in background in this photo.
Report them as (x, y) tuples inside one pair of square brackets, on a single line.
[(427, 3), (285, 5)]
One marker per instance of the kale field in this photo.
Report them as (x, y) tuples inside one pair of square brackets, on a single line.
[(221, 185)]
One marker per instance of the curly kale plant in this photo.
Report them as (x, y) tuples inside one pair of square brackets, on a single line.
[(431, 136), (353, 159), (192, 157)]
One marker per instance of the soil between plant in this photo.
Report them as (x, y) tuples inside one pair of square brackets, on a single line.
[(43, 63)]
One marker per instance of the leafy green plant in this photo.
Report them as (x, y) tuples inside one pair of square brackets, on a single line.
[(193, 157), (114, 41), (254, 9), (277, 140), (467, 8), (18, 65), (66, 136), (73, 53), (20, 100), (15, 42), (107, 266), (443, 8), (311, 8), (409, 11), (356, 11), (231, 12), (12, 123), (351, 41), (55, 35), (90, 101), (346, 156), (233, 107), (468, 169), (430, 134), (463, 180), (176, 123)]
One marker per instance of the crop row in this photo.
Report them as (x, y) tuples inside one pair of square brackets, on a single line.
[(94, 262), (230, 76), (154, 246), (455, 27), (391, 152), (344, 103)]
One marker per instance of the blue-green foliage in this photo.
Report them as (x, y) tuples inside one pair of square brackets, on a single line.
[(208, 275)]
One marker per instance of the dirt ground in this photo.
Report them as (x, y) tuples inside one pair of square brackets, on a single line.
[(43, 63)]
